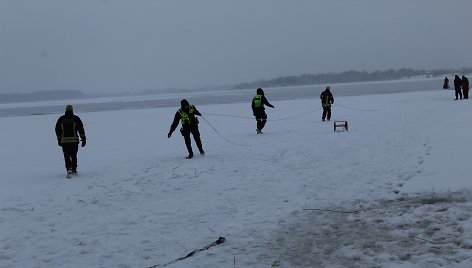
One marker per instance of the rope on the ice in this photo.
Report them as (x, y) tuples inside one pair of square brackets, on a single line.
[(223, 137), (220, 240), (277, 119), (356, 109), (294, 116), (229, 115)]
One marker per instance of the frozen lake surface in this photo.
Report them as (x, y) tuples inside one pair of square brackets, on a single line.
[(393, 191), (219, 97)]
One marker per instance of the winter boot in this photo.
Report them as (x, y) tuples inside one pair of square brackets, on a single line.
[(190, 156)]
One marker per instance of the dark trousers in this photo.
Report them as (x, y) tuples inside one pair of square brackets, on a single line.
[(465, 91), (196, 136), (458, 93), (70, 155), (261, 119), (326, 113)]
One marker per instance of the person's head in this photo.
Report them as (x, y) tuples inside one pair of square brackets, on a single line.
[(69, 109), (184, 104), (259, 91), (328, 88)]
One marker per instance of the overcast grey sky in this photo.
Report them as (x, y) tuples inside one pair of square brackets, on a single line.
[(118, 45)]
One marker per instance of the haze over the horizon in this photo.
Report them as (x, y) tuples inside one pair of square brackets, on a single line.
[(119, 45)]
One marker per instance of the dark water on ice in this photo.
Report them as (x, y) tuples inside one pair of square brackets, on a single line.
[(220, 97)]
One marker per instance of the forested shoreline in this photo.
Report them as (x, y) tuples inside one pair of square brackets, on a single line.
[(348, 76), (295, 80)]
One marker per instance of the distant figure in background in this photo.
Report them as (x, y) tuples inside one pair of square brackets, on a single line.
[(68, 129), (465, 87), (326, 101), (457, 87), (258, 109), (186, 114), (446, 83)]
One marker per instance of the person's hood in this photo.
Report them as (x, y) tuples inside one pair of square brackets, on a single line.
[(69, 110), (184, 102)]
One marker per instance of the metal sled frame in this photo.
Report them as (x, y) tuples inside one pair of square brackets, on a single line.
[(341, 124)]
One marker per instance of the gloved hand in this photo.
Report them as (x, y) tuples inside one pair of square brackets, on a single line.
[(169, 134), (83, 143)]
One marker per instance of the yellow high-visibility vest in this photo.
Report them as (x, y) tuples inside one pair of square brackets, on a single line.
[(258, 101)]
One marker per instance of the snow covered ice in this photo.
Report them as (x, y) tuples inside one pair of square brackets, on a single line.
[(393, 191)]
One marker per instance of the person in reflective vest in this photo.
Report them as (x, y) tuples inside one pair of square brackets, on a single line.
[(68, 129), (187, 116), (326, 101), (258, 109)]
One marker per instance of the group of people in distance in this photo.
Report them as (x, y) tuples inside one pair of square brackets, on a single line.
[(461, 87), (69, 127)]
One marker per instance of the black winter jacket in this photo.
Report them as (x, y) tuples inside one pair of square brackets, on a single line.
[(257, 110), (67, 127), (193, 122), (326, 98), (465, 82), (457, 82)]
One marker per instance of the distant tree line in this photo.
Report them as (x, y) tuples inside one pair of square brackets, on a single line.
[(42, 95), (349, 76), (295, 80)]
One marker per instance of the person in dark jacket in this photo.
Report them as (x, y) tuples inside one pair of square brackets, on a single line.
[(457, 87), (326, 101), (465, 87), (68, 129), (258, 109), (186, 115), (446, 83)]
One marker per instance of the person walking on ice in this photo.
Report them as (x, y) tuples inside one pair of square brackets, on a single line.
[(258, 109), (68, 129), (326, 101), (186, 115)]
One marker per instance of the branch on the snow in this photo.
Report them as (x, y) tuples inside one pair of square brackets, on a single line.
[(425, 240), (220, 240), (331, 210)]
